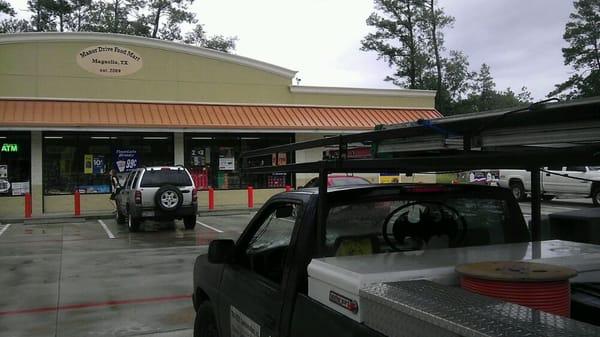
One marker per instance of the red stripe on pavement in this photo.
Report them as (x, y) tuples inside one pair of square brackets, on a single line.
[(95, 305)]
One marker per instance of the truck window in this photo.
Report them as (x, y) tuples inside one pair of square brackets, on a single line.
[(576, 168), (555, 168), (267, 249), (371, 227)]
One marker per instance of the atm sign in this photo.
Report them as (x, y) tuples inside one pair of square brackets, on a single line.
[(10, 147)]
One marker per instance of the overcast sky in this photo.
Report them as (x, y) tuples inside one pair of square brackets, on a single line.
[(520, 39)]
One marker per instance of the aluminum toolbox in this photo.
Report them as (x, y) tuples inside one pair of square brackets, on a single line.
[(425, 309), (336, 281)]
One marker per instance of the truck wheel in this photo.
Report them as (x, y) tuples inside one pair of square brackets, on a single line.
[(133, 224), (596, 197), (205, 324), (189, 222), (518, 190)]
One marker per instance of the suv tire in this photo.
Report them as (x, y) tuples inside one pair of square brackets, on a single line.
[(205, 324), (518, 191), (168, 198), (596, 197), (133, 224), (189, 222)]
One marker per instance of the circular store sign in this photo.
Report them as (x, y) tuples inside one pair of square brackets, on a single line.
[(109, 60)]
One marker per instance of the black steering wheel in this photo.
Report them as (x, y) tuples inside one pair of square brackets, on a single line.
[(435, 219)]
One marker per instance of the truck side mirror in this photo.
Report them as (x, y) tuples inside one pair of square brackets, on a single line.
[(220, 251)]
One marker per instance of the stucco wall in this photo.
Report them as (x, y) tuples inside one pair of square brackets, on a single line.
[(45, 65), (12, 207)]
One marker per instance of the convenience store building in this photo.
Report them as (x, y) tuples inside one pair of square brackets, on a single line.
[(74, 105)]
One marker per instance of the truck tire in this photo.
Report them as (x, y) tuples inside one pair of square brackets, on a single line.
[(133, 224), (189, 222), (205, 324), (518, 191), (596, 197), (168, 198)]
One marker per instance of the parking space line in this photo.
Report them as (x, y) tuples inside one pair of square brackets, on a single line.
[(4, 229), (209, 227), (108, 232), (96, 304)]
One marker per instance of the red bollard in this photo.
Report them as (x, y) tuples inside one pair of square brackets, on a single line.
[(288, 188), (28, 207), (77, 202), (250, 197), (211, 198)]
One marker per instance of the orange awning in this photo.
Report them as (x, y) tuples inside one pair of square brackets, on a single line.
[(60, 113)]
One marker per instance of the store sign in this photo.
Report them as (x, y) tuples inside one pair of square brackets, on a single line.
[(6, 147), (109, 60), (87, 163), (226, 164), (126, 160), (98, 164)]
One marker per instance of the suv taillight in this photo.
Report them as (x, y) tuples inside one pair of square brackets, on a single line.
[(138, 197), (194, 195)]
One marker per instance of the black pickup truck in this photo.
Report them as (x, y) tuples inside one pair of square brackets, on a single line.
[(257, 286)]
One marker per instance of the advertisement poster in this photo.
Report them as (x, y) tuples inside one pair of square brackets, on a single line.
[(226, 163), (126, 160), (3, 171), (198, 157), (98, 164), (20, 188), (278, 159), (87, 164), (389, 178), (4, 186)]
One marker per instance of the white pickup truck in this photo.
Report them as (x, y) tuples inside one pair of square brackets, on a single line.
[(567, 181)]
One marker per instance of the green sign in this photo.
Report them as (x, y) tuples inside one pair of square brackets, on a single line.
[(10, 147)]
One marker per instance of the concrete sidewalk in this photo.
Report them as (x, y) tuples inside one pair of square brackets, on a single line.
[(61, 217)]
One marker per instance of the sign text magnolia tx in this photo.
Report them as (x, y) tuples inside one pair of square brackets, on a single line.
[(109, 60)]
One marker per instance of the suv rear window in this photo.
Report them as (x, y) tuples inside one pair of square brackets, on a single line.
[(153, 178)]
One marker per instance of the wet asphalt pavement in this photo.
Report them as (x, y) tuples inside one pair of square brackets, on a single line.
[(94, 278), (77, 278)]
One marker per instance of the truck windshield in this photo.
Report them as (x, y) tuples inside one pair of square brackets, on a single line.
[(371, 227)]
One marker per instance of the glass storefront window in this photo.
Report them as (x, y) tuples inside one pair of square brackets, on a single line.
[(15, 163), (214, 160), (81, 161)]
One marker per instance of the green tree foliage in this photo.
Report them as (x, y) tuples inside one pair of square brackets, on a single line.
[(409, 37), (6, 8), (583, 53), (431, 22), (218, 42), (160, 19), (399, 41)]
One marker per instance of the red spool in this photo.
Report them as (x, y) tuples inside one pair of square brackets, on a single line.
[(535, 285)]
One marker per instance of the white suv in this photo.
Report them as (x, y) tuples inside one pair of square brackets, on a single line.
[(162, 193)]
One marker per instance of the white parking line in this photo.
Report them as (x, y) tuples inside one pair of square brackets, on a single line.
[(108, 232), (4, 229), (209, 227)]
